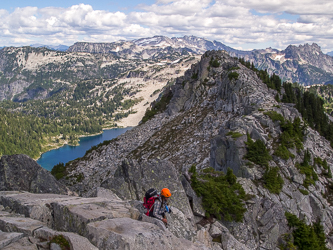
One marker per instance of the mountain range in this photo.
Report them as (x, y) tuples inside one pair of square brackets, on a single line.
[(305, 64), (109, 84)]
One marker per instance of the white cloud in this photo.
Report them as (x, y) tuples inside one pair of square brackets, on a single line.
[(232, 22)]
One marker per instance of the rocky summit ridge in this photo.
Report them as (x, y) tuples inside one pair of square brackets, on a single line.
[(210, 117), (213, 108)]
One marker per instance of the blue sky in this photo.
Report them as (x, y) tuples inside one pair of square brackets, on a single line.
[(123, 5), (249, 24)]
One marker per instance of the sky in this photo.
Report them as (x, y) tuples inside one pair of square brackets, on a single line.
[(246, 24)]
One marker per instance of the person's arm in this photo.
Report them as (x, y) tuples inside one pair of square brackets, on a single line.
[(157, 208)]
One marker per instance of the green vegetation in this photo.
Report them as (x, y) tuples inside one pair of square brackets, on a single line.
[(20, 134), (323, 163), (233, 75), (233, 68), (275, 116), (195, 76), (326, 94), (214, 63), (59, 171), (303, 191), (312, 109), (234, 135), (222, 196), (283, 152), (61, 241), (305, 168), (273, 180), (306, 237), (292, 135), (82, 97), (62, 118), (308, 103), (257, 152), (158, 106)]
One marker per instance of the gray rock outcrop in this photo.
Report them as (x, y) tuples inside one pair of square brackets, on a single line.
[(86, 223), (21, 173)]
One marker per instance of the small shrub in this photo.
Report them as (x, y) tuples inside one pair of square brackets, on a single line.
[(283, 152), (275, 116), (257, 152), (61, 241), (305, 236), (303, 191), (59, 171), (235, 135), (288, 242), (234, 68), (233, 75), (273, 180), (195, 76), (323, 164), (214, 63), (305, 168), (260, 109), (221, 195)]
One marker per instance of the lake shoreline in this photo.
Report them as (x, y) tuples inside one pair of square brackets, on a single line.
[(59, 145), (85, 142)]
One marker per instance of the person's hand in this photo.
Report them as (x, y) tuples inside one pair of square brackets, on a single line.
[(165, 221)]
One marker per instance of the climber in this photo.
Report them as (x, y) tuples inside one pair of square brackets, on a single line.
[(161, 207)]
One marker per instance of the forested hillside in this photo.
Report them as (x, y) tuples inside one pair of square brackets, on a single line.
[(76, 94), (326, 93)]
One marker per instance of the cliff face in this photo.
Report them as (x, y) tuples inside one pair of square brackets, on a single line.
[(215, 100)]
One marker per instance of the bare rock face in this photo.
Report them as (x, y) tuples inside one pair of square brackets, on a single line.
[(133, 179), (21, 173), (28, 219)]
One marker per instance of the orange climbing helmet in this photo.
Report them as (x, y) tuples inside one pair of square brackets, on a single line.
[(165, 192)]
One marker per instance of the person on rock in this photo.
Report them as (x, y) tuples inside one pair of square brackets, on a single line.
[(161, 205)]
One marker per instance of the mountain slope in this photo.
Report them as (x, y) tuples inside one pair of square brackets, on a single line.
[(155, 47), (84, 92), (305, 64), (221, 115)]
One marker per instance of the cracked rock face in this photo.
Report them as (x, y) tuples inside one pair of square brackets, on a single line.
[(21, 173)]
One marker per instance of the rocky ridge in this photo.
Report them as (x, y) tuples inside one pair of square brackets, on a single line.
[(208, 106)]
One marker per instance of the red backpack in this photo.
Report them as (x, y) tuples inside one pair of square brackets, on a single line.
[(149, 200)]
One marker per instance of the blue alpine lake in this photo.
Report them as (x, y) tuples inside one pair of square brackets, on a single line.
[(68, 153)]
